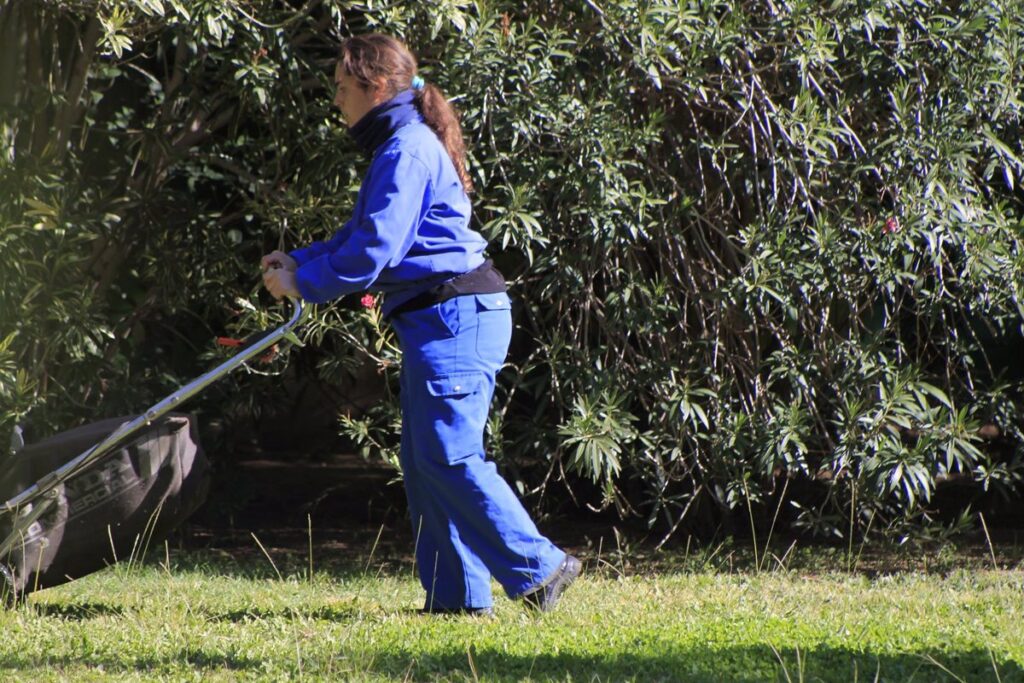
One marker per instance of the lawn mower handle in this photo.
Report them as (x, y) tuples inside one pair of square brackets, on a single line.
[(121, 435)]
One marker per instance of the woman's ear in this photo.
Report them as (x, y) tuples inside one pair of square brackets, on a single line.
[(378, 90)]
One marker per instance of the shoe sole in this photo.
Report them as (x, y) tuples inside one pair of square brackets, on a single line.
[(571, 570)]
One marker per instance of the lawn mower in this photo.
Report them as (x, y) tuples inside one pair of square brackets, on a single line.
[(89, 497)]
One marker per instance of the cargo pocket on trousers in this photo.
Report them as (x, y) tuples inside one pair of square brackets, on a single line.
[(494, 326), (455, 416), (493, 302)]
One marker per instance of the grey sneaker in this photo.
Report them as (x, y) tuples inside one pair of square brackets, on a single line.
[(545, 597)]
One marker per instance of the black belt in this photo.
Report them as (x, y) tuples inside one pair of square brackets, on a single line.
[(484, 279)]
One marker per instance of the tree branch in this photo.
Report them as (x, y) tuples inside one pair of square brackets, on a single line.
[(73, 109), (176, 80), (199, 129)]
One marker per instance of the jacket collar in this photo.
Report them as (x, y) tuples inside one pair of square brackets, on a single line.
[(380, 123)]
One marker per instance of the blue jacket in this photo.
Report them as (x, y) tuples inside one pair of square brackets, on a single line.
[(409, 230)]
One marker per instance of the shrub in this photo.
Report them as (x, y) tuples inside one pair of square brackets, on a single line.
[(749, 244)]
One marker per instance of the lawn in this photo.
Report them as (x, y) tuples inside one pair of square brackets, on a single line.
[(212, 616)]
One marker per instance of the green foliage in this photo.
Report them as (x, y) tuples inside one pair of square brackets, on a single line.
[(750, 243), (597, 432)]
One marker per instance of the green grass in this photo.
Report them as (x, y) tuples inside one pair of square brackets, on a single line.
[(210, 617)]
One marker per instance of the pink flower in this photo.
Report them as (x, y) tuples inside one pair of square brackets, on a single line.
[(368, 301), (892, 224)]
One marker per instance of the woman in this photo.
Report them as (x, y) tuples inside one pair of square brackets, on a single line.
[(409, 237)]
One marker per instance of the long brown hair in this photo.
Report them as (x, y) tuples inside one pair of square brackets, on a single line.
[(373, 56)]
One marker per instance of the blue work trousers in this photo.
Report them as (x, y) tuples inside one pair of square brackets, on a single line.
[(468, 523)]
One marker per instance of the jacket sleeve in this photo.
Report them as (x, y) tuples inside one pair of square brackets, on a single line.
[(398, 193), (307, 254)]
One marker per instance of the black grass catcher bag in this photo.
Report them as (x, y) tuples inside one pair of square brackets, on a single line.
[(107, 491), (130, 498)]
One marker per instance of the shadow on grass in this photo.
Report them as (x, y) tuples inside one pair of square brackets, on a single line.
[(77, 611), (322, 613), (742, 664), (207, 662), (366, 558), (287, 562)]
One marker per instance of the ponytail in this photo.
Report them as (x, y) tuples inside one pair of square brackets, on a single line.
[(372, 56), (443, 119)]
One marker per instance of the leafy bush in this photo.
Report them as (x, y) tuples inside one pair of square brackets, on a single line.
[(751, 244)]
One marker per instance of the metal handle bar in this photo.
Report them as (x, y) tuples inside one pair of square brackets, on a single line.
[(122, 433)]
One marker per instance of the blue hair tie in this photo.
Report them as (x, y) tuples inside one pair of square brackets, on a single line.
[(418, 83)]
